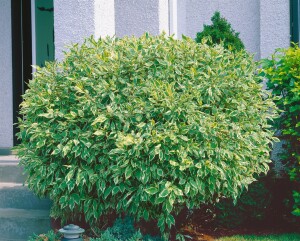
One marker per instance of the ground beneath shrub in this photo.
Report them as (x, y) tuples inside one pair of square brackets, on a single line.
[(199, 233), (202, 228)]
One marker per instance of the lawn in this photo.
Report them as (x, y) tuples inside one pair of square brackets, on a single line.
[(282, 237)]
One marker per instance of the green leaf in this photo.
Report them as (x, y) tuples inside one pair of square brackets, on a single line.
[(55, 152), (185, 138), (169, 207), (107, 192), (173, 163), (161, 222), (161, 155), (151, 190), (63, 201), (177, 191), (76, 198), (146, 215), (71, 185), (187, 188), (76, 142), (99, 119), (71, 203), (66, 150), (160, 172), (115, 190), (99, 133), (164, 193), (70, 175), (198, 165), (128, 172), (170, 220)]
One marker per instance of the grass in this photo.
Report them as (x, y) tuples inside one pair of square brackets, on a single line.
[(282, 237)]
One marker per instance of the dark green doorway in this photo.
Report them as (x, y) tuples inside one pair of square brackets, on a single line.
[(32, 44), (43, 34)]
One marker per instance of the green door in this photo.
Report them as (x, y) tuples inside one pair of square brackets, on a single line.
[(44, 32), (294, 15)]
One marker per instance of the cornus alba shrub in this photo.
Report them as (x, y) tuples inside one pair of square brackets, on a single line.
[(145, 126)]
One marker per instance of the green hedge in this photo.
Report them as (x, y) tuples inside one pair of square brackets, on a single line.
[(146, 126), (283, 74)]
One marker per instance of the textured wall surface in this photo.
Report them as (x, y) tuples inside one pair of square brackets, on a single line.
[(104, 18), (6, 100), (263, 24), (274, 25), (135, 17), (163, 13), (243, 15), (73, 21), (244, 18), (182, 18)]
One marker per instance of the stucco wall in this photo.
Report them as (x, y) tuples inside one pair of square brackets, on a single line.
[(244, 16), (135, 17), (73, 20), (163, 13), (104, 18), (274, 25), (6, 100), (181, 18), (263, 24)]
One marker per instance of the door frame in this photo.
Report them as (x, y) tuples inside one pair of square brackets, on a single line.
[(21, 54)]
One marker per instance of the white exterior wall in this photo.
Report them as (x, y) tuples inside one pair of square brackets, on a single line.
[(181, 17), (243, 15), (163, 13), (274, 26), (135, 17), (104, 18), (75, 20), (263, 24), (6, 94)]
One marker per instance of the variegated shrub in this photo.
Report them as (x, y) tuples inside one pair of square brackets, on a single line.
[(145, 126)]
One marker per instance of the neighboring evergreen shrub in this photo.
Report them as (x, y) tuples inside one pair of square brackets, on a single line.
[(50, 236), (146, 126), (221, 31), (123, 230), (283, 74)]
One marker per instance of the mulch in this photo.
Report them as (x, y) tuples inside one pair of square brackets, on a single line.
[(202, 228), (199, 233)]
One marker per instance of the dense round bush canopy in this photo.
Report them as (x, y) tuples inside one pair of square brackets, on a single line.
[(145, 126)]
